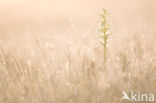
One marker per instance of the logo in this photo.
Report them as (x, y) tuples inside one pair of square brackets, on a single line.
[(137, 97)]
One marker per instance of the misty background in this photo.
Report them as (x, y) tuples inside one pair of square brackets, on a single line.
[(56, 16)]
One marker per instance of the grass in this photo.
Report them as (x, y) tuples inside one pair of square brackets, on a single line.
[(55, 69)]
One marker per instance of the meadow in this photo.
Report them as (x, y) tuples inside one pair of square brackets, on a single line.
[(37, 67), (68, 69)]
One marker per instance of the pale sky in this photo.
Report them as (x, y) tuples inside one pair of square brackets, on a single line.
[(55, 15)]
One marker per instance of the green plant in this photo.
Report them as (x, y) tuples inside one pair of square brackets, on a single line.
[(104, 31)]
